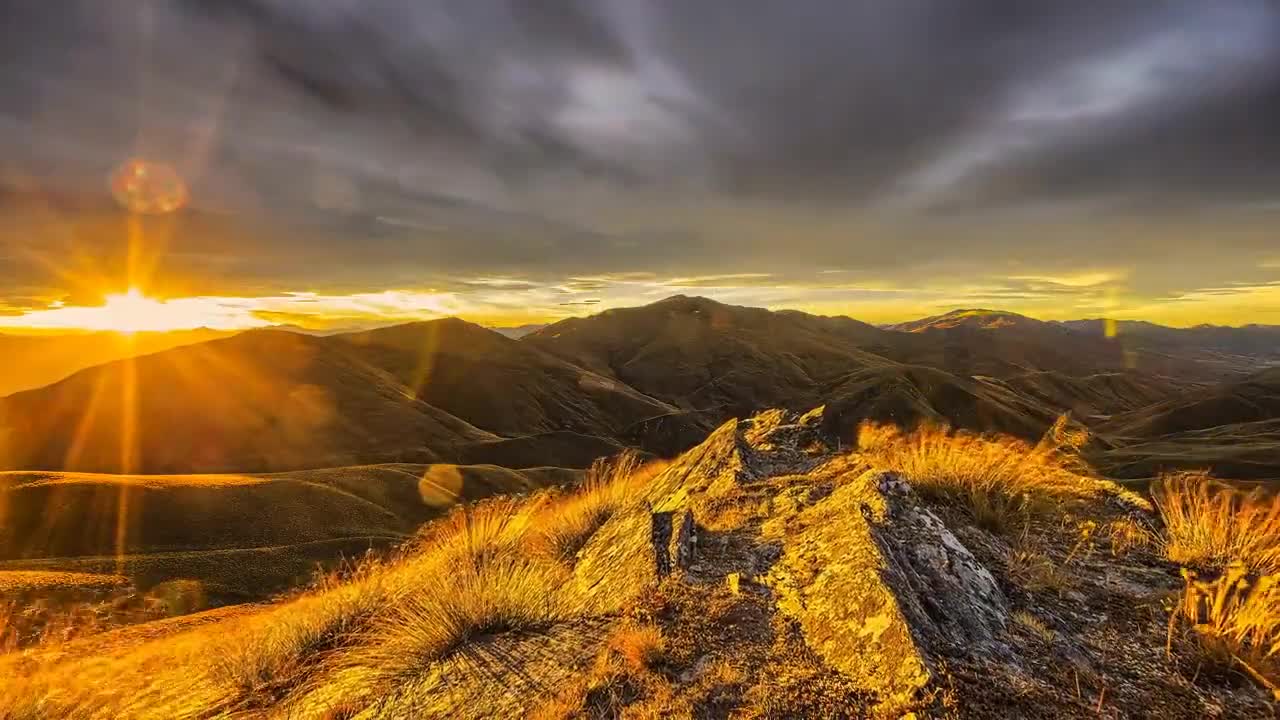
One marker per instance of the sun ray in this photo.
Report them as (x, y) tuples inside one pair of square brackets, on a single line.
[(88, 418), (128, 452)]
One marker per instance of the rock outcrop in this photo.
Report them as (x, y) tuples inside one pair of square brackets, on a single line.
[(882, 590), (633, 550)]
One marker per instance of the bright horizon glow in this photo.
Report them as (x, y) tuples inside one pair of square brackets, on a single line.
[(132, 312), (497, 305)]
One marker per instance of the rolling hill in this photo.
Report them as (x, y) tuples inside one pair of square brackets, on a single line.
[(262, 401), (911, 395), (1239, 451), (1253, 399), (999, 343), (498, 384), (1097, 396), (32, 361), (1003, 344), (1230, 428), (243, 536), (1258, 341), (698, 354), (655, 377)]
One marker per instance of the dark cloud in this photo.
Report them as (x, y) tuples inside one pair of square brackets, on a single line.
[(381, 140)]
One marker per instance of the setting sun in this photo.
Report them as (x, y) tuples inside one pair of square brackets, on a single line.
[(132, 311)]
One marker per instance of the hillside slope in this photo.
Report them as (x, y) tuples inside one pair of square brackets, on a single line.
[(1095, 396), (498, 384), (32, 361), (1001, 344), (761, 574), (1231, 428), (263, 400), (1253, 399), (910, 395), (698, 354), (244, 536)]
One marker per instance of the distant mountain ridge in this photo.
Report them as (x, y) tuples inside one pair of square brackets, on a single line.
[(657, 377)]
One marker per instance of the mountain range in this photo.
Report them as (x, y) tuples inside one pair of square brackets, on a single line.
[(656, 377)]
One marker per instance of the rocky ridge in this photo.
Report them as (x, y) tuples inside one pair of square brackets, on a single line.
[(798, 581)]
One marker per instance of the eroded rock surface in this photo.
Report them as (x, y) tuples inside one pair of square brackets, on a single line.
[(883, 590)]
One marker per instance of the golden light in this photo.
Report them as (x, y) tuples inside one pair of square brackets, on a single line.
[(131, 312)]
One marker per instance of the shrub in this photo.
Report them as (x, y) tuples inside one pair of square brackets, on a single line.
[(1209, 525)]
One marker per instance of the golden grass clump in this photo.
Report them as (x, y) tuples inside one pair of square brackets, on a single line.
[(1209, 525), (565, 526), (641, 646), (999, 480), (1127, 535), (1235, 620)]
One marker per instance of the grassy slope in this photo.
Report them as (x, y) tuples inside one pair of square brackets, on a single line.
[(1232, 428), (698, 354), (244, 535), (498, 384), (908, 395), (262, 400), (488, 600), (1099, 394), (1244, 451), (33, 361), (1252, 399)]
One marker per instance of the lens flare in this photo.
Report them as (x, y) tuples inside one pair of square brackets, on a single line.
[(148, 188)]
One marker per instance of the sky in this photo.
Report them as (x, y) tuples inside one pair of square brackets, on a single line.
[(334, 163)]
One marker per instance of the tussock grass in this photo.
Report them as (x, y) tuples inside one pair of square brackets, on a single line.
[(641, 646), (999, 480), (1032, 570), (1127, 535), (1034, 625), (565, 526), (358, 638), (624, 681), (1209, 525), (1235, 621)]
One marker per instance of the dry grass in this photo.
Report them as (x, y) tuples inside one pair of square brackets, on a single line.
[(609, 484), (999, 480), (1209, 525), (1031, 569), (361, 637), (67, 612), (1235, 621), (1034, 625), (368, 635), (630, 679), (641, 646), (1127, 535)]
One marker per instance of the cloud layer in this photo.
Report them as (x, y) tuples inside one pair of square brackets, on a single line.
[(1119, 153)]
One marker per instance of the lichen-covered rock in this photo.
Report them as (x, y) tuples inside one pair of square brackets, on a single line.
[(632, 550), (721, 462), (882, 589), (788, 437), (684, 540)]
